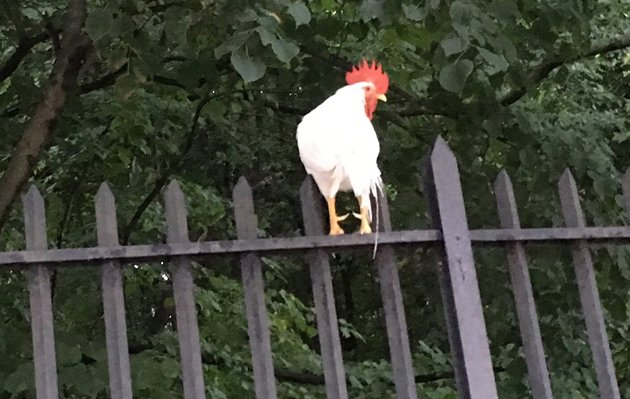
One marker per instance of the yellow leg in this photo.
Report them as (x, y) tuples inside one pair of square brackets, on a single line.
[(335, 229), (365, 224)]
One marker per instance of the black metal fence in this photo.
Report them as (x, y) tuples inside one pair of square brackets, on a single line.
[(457, 277)]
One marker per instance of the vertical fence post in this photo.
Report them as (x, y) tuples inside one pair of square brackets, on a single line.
[(458, 279), (40, 298), (113, 297), (587, 287), (523, 294), (396, 324), (183, 293), (323, 295), (625, 187), (257, 318)]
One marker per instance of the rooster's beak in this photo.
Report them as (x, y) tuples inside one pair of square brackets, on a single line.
[(382, 98)]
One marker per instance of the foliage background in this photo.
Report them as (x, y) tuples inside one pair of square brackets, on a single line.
[(206, 91)]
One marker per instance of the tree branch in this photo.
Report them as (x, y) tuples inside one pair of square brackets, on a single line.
[(21, 51), (541, 71), (104, 81), (61, 83), (163, 179), (286, 109), (163, 80)]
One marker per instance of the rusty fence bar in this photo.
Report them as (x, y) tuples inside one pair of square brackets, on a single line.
[(395, 322), (257, 319), (113, 298), (323, 296), (538, 375), (40, 299), (183, 294), (458, 278), (587, 288)]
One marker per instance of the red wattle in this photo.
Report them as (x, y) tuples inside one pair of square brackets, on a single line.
[(370, 107)]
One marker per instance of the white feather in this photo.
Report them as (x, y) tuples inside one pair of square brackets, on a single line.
[(339, 147)]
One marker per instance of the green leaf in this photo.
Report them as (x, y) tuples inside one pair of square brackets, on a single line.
[(413, 12), (69, 354), (266, 37), (248, 15), (31, 13), (234, 42), (150, 373), (125, 85), (122, 26), (284, 50), (461, 13), (170, 368), (269, 22), (20, 380), (506, 10), (453, 45), (453, 76), (371, 9), (496, 62), (250, 68), (300, 13), (175, 26), (98, 23)]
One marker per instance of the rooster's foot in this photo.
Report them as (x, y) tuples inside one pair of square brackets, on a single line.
[(335, 229), (334, 219), (363, 217)]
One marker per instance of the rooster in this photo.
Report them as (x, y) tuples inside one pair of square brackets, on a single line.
[(339, 147)]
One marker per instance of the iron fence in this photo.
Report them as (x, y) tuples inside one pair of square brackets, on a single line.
[(473, 370)]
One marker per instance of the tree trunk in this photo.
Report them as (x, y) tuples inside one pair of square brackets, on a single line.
[(61, 83)]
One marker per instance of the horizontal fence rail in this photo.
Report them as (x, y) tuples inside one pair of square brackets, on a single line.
[(456, 270), (275, 246)]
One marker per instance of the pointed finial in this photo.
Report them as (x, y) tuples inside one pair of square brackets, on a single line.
[(34, 219), (176, 213), (570, 200), (106, 224)]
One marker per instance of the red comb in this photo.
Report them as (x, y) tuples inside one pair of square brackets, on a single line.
[(365, 72)]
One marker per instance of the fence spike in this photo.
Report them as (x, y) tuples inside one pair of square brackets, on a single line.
[(253, 285), (112, 282), (35, 219), (246, 220), (183, 293), (506, 202), (106, 225), (570, 200), (42, 326), (625, 187), (587, 288), (395, 321), (176, 213), (311, 208), (323, 295), (458, 277), (523, 294)]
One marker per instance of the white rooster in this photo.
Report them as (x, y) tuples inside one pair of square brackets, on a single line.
[(339, 147)]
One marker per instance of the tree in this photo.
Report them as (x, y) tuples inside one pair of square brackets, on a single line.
[(207, 91)]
